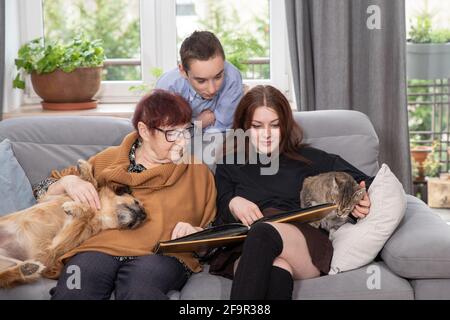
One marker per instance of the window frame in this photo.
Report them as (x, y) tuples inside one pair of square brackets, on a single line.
[(157, 24)]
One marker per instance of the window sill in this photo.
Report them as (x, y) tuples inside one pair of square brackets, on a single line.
[(103, 109)]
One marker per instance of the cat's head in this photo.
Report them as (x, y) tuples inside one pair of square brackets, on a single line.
[(350, 193)]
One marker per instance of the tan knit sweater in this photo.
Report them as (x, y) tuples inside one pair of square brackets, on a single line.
[(170, 193)]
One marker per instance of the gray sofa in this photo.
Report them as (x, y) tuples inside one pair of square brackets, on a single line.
[(415, 260)]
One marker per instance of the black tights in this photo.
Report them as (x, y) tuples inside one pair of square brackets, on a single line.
[(255, 277)]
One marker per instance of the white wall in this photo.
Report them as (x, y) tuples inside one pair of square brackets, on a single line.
[(13, 97)]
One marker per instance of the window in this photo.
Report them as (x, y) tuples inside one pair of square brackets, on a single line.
[(242, 26), (116, 22), (140, 35)]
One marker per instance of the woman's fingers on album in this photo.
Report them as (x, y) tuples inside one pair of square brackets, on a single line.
[(258, 213), (175, 231), (363, 210), (357, 214)]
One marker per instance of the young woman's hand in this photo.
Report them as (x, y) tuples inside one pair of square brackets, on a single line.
[(362, 209), (183, 229), (81, 191), (245, 211)]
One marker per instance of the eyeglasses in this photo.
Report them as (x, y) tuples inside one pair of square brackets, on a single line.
[(173, 134)]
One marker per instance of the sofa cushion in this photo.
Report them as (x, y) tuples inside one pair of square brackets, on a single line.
[(15, 188), (420, 247), (39, 290), (342, 132), (374, 281), (42, 144), (356, 245), (431, 289)]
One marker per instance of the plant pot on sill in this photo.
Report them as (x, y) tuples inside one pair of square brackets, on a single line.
[(420, 154), (428, 61), (68, 90)]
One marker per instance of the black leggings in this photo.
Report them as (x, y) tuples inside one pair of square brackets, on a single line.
[(255, 277), (141, 278)]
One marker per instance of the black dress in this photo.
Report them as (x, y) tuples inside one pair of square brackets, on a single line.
[(276, 192)]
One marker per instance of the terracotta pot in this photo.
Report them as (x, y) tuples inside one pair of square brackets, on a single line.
[(60, 106), (419, 154), (79, 85)]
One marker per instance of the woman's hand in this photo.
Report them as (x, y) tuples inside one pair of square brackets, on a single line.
[(362, 209), (183, 229), (207, 118), (81, 191), (245, 211)]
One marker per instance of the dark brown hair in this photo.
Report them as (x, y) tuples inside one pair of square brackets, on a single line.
[(291, 134), (162, 108), (200, 45)]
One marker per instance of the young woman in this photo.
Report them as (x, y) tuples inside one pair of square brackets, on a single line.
[(179, 199), (273, 254)]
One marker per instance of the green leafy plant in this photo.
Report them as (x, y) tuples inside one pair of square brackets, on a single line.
[(432, 165), (238, 42), (146, 88), (40, 57), (116, 22), (414, 168), (422, 30)]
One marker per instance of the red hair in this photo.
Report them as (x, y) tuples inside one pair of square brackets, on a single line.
[(291, 133), (162, 108)]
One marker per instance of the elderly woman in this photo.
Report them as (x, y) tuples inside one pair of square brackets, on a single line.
[(178, 197), (273, 254)]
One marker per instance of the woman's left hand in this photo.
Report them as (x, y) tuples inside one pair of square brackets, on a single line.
[(362, 209), (183, 229)]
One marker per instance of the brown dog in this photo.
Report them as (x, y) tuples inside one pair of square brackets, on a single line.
[(32, 240)]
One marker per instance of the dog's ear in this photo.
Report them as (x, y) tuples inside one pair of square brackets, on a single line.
[(121, 189)]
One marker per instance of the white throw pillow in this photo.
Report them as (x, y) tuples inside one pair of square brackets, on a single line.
[(356, 245)]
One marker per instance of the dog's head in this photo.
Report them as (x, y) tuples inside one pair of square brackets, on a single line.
[(128, 210), (119, 209)]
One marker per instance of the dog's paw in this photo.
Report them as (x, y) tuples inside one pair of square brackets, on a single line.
[(31, 267), (69, 208)]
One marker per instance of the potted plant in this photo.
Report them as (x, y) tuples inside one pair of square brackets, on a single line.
[(431, 166), (419, 154), (65, 76), (428, 49)]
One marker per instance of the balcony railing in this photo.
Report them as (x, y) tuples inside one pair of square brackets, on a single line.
[(429, 116)]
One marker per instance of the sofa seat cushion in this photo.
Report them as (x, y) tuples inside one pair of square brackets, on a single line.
[(346, 285), (39, 290), (431, 289), (420, 247)]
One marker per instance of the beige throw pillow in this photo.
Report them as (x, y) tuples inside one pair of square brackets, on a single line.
[(356, 245)]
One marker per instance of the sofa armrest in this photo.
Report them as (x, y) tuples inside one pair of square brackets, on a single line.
[(420, 246)]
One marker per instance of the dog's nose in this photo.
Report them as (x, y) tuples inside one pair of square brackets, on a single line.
[(142, 215)]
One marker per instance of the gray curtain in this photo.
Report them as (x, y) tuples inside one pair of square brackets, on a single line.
[(338, 62), (2, 54)]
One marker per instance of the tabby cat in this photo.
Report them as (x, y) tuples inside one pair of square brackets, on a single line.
[(332, 187)]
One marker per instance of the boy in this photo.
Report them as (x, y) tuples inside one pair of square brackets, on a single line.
[(211, 85)]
